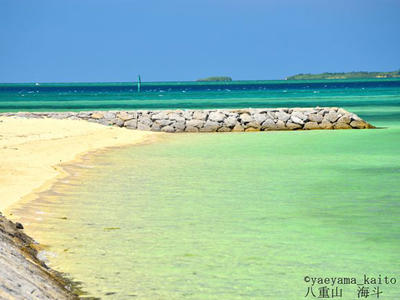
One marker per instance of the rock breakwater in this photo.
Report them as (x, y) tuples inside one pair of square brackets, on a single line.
[(220, 120)]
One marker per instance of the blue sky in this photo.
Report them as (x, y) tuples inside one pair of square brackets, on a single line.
[(114, 40)]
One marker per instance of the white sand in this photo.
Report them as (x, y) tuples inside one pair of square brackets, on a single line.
[(31, 151)]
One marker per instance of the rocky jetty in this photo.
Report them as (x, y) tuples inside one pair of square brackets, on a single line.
[(219, 120), (22, 274)]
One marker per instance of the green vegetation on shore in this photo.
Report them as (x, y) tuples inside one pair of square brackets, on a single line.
[(216, 78), (345, 75)]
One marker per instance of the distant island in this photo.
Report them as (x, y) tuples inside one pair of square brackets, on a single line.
[(345, 75), (216, 78)]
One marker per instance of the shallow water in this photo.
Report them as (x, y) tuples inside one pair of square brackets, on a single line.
[(228, 216), (233, 216)]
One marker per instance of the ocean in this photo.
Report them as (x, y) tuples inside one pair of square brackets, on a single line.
[(367, 93), (226, 215)]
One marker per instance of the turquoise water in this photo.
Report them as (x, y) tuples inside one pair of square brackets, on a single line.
[(107, 96), (231, 216)]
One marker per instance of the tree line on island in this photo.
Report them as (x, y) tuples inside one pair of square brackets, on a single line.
[(216, 78), (345, 75), (326, 75)]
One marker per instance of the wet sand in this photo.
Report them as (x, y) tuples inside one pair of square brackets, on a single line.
[(32, 151)]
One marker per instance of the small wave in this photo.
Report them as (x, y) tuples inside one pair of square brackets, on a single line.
[(44, 255)]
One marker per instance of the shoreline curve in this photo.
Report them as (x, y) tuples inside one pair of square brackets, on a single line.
[(34, 153)]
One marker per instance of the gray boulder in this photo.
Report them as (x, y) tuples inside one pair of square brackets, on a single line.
[(245, 118), (238, 128), (326, 125), (230, 121), (311, 126), (187, 114), (341, 126), (271, 115), (179, 126), (296, 120), (252, 124), (191, 129), (293, 126), (145, 120), (131, 124), (210, 126), (109, 115), (331, 116), (260, 118), (176, 117), (281, 115), (163, 122), (299, 114), (200, 115), (84, 115), (280, 125), (95, 115), (344, 119), (125, 116), (159, 116), (354, 117), (268, 124), (224, 129), (155, 127), (216, 116), (168, 129), (315, 118), (233, 114), (118, 122), (195, 123), (143, 126)]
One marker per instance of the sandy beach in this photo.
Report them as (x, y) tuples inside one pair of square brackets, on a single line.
[(32, 151)]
